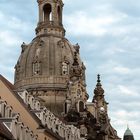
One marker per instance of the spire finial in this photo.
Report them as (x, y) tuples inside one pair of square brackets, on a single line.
[(98, 91), (98, 78), (127, 126)]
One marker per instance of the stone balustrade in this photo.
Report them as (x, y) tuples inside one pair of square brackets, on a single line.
[(49, 120)]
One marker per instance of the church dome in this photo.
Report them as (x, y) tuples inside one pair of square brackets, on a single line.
[(44, 62), (48, 64)]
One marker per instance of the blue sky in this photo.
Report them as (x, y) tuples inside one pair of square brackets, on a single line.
[(109, 36)]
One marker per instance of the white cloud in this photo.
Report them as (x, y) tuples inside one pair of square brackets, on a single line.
[(127, 91), (122, 70), (87, 25), (126, 115), (8, 38), (113, 50)]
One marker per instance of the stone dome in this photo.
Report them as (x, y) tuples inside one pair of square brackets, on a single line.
[(48, 64), (45, 62)]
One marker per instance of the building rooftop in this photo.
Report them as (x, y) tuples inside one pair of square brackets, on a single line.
[(128, 132)]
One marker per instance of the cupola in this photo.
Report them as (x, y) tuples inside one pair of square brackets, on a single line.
[(50, 18), (128, 135)]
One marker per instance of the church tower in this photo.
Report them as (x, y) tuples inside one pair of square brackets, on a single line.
[(99, 100), (128, 135), (48, 65)]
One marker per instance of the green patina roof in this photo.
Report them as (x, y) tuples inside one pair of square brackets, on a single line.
[(128, 132)]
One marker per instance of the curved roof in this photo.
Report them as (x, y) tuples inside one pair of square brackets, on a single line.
[(49, 54), (128, 132)]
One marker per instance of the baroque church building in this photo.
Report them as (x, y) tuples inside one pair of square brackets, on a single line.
[(49, 100)]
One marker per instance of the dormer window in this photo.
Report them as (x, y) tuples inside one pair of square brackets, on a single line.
[(36, 68), (10, 113), (4, 110)]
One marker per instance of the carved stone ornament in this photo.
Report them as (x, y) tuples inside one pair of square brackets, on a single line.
[(23, 47), (61, 43), (77, 48), (76, 70), (41, 43), (83, 130), (17, 71), (102, 117)]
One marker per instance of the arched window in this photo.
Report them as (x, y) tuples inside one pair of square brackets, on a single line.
[(81, 106), (59, 16), (4, 110), (47, 9), (10, 113), (66, 108)]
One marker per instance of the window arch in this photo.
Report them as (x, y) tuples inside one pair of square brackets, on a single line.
[(66, 110), (10, 112), (47, 12), (4, 110), (59, 15)]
